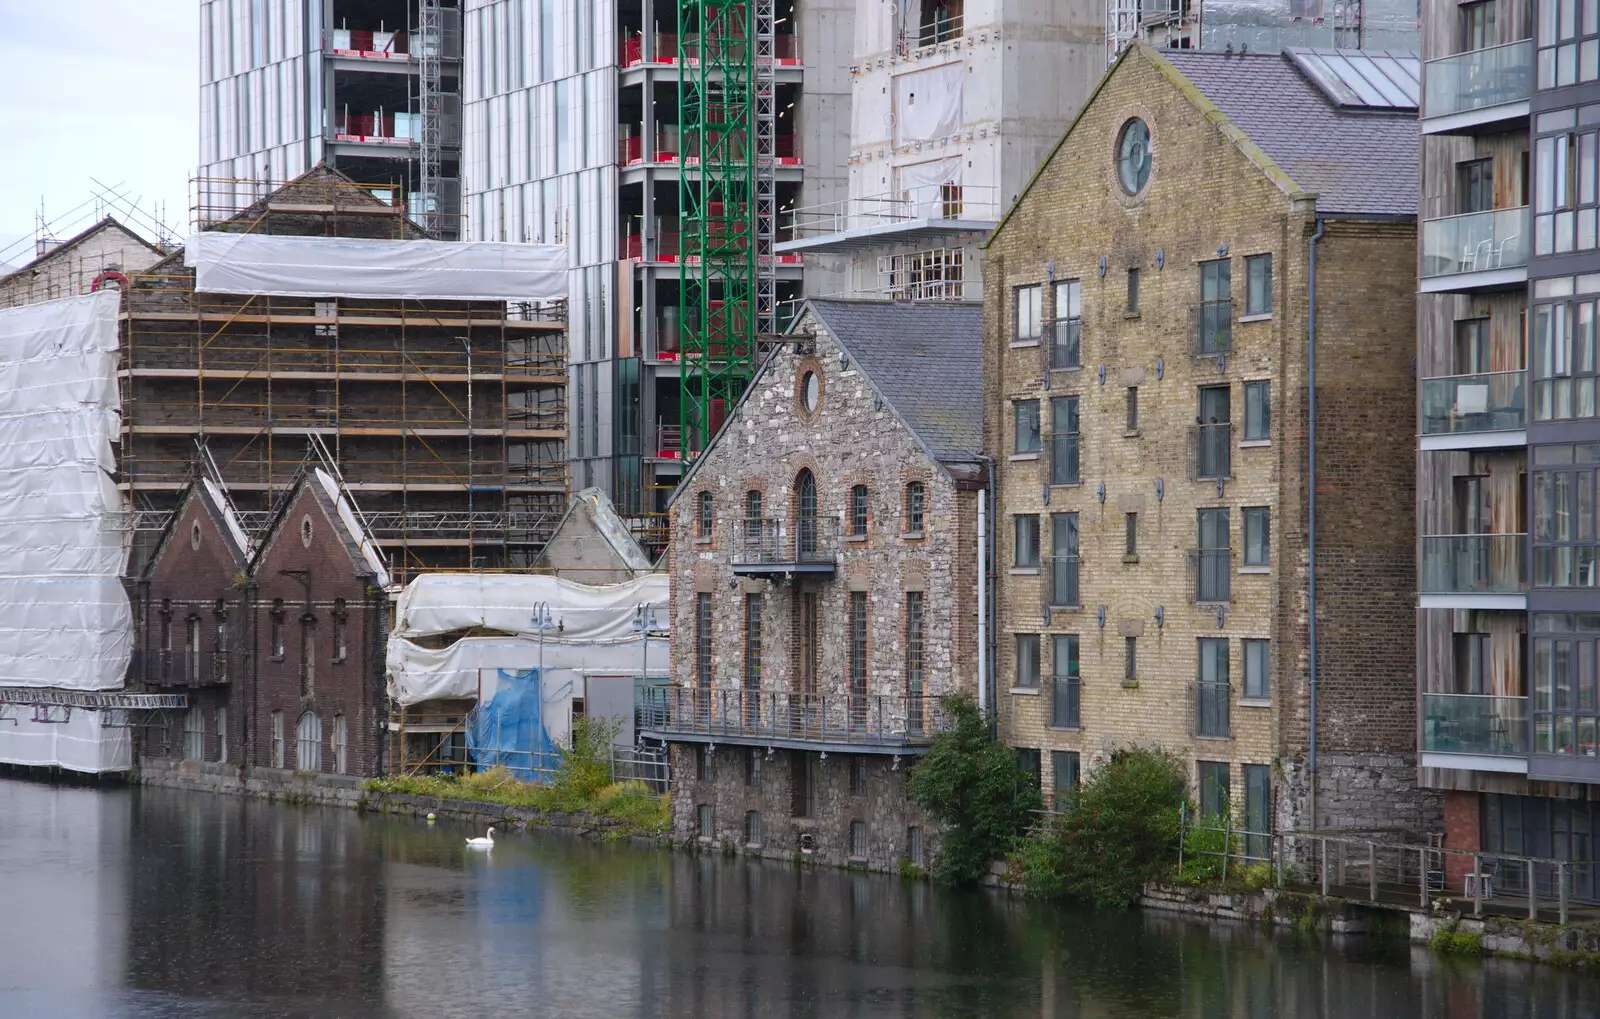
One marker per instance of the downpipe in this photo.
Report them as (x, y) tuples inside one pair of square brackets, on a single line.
[(1311, 510)]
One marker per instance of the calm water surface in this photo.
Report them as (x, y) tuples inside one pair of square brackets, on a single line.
[(149, 902)]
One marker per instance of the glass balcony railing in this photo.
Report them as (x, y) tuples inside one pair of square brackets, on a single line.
[(1473, 564), (1475, 242), (1475, 724), (1478, 79), (1456, 404)]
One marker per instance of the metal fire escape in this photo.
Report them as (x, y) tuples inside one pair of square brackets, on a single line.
[(726, 86), (430, 136)]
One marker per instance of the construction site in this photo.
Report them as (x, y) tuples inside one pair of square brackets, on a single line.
[(446, 417)]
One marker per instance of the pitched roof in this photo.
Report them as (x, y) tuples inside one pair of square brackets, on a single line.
[(1357, 160), (925, 358), (603, 512), (108, 223)]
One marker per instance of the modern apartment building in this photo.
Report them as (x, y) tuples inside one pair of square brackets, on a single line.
[(369, 86), (1508, 614), (1197, 346)]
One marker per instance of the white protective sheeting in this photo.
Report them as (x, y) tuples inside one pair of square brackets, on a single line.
[(347, 515), (80, 741), (588, 614), (281, 266), (920, 186), (65, 621), (927, 104), (473, 664)]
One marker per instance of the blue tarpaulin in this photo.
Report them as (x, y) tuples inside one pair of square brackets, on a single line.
[(508, 729)]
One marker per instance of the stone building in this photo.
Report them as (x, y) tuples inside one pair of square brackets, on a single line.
[(592, 544), (106, 253), (823, 565), (278, 643), (1154, 428)]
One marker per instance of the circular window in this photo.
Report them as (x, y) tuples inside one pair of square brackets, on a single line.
[(305, 531), (810, 391), (1133, 156), (194, 535)]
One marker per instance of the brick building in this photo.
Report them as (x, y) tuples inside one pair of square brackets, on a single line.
[(1151, 426), (823, 568), (279, 643)]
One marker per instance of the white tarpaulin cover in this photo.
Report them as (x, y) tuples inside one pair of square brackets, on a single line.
[(369, 551), (64, 616), (920, 186), (283, 266), (472, 665), (587, 613), (927, 104), (76, 739)]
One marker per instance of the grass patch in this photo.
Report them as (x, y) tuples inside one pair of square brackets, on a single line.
[(1456, 942)]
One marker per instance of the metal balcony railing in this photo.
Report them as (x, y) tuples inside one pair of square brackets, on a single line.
[(883, 719), (1478, 79), (1475, 242), (1491, 402), (1475, 724), (1473, 564), (1065, 337), (1212, 702), (1210, 576), (1211, 327), (181, 667), (1064, 702), (1211, 450), (949, 201), (1061, 581), (1064, 458), (776, 540)]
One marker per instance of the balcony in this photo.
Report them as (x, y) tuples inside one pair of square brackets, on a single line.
[(851, 722), (181, 667), (1477, 91), (1211, 328), (1475, 411), (1212, 705), (919, 214), (773, 546), (1061, 582), (1475, 725), (1210, 576), (1211, 451), (1473, 571), (1475, 253)]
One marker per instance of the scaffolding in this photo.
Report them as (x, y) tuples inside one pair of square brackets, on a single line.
[(726, 84), (446, 417), (430, 141)]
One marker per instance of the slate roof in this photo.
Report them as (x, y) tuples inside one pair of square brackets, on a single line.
[(925, 358), (1356, 161)]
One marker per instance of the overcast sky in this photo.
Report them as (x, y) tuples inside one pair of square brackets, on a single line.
[(103, 89)]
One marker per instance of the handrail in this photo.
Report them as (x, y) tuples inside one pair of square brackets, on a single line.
[(896, 719)]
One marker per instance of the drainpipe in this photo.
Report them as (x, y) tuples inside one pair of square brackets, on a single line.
[(1311, 503), (983, 603)]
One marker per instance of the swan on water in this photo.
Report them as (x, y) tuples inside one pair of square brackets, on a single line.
[(487, 842)]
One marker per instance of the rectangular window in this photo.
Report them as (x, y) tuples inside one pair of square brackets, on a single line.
[(1130, 660), (1474, 186), (1030, 763), (752, 828), (1133, 291), (1258, 811), (1213, 436), (1065, 441), (858, 651), (1470, 353), (916, 506), (914, 846), (1212, 688), (1029, 312), (858, 511), (192, 650), (858, 775), (1257, 411), (1064, 777), (1027, 540), (802, 784), (750, 709), (914, 677), (1063, 577), (1214, 316), (1066, 328), (1257, 680), (752, 767), (702, 639), (1566, 545), (1213, 560), (1131, 528), (222, 734), (858, 840), (1257, 536), (277, 739), (308, 659), (1214, 793), (1025, 419), (1564, 364), (1471, 661), (1258, 290), (1064, 681), (341, 650), (1478, 25), (1132, 404), (708, 821), (705, 765), (1027, 660), (341, 740)]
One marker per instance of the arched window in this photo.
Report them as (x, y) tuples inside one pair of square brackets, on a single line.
[(858, 511), (805, 511), (308, 743), (194, 735), (754, 526), (704, 516)]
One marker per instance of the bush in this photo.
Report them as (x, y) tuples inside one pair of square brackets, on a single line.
[(1120, 833), (971, 786)]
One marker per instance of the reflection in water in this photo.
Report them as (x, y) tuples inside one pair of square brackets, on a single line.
[(149, 902)]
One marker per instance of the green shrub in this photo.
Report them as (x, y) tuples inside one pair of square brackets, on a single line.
[(1120, 833), (1202, 855), (971, 786)]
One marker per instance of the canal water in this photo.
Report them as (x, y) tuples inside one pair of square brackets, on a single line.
[(118, 902)]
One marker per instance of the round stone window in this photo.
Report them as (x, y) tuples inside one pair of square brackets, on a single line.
[(194, 535), (305, 531), (1133, 156), (810, 392)]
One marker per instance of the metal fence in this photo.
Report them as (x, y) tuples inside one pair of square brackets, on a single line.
[(820, 717)]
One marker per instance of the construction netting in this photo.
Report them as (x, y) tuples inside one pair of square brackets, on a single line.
[(293, 266)]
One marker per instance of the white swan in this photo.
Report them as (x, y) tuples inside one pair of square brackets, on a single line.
[(486, 842)]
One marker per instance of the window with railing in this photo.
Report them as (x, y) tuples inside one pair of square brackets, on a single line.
[(1066, 326), (702, 639), (914, 662), (1211, 562), (1212, 689), (940, 21), (1213, 316), (858, 652), (1065, 441), (1211, 445), (1062, 582), (752, 654), (1064, 681), (1064, 773)]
